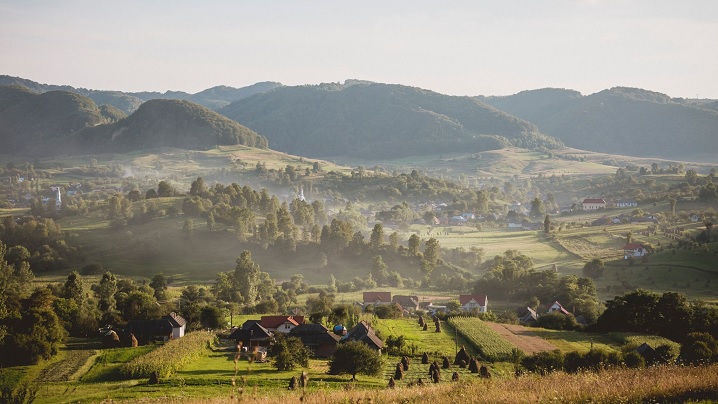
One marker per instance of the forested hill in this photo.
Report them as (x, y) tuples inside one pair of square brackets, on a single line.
[(39, 124), (62, 122), (369, 120), (169, 123), (213, 98), (620, 120)]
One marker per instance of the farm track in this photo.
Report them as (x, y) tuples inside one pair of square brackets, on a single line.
[(522, 338)]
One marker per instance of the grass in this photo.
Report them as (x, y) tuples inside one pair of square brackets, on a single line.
[(656, 384), (419, 341), (107, 365)]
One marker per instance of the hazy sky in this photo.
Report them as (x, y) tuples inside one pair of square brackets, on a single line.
[(453, 47)]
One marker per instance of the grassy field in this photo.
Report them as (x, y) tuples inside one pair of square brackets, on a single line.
[(419, 341), (486, 341)]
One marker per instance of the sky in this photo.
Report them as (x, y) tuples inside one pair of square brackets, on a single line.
[(452, 47)]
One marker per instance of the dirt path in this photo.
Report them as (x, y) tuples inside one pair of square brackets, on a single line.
[(522, 338)]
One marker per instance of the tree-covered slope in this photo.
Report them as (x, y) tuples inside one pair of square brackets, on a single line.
[(169, 123), (128, 102), (371, 120), (42, 124), (621, 121)]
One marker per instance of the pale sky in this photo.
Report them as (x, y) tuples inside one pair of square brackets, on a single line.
[(453, 47)]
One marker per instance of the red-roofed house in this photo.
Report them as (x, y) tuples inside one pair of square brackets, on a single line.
[(282, 324), (593, 204), (377, 298), (474, 302), (557, 308), (634, 250)]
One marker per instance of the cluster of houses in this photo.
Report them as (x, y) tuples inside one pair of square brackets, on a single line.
[(409, 304), (258, 335), (531, 316), (600, 203), (143, 332)]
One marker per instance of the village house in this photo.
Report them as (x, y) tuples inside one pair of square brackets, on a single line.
[(626, 203), (164, 329), (408, 303), (593, 204), (283, 324), (530, 317), (320, 340), (457, 221), (252, 334), (634, 250), (364, 333), (557, 308), (478, 303), (376, 298)]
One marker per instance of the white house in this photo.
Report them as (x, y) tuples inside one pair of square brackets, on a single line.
[(594, 203), (178, 324), (626, 203), (474, 302), (634, 250), (283, 324)]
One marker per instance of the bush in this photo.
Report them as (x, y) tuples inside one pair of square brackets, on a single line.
[(290, 352), (544, 362)]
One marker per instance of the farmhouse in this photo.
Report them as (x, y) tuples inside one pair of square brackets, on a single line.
[(530, 317), (320, 340), (557, 308), (283, 324), (478, 303), (408, 303), (252, 334), (593, 204), (626, 203), (377, 298), (364, 333), (168, 327), (634, 250)]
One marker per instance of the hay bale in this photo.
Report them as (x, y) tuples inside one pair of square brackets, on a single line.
[(293, 383), (424, 359), (399, 373), (405, 363), (154, 378), (303, 379), (462, 355), (445, 364), (484, 372), (392, 383), (426, 327), (462, 364), (474, 366), (133, 341), (431, 369), (455, 377), (420, 382), (436, 376), (421, 321), (438, 327)]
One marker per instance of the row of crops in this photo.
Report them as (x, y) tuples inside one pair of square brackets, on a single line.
[(486, 341), (170, 357)]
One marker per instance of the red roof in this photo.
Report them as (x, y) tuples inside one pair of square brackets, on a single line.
[(632, 246), (480, 299), (590, 200), (561, 309), (371, 297), (276, 321)]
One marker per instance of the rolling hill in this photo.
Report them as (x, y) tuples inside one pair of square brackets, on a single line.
[(370, 120), (212, 98), (42, 124), (62, 122), (620, 120), (169, 123)]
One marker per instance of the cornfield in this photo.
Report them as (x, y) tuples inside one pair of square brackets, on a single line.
[(170, 357), (485, 340)]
